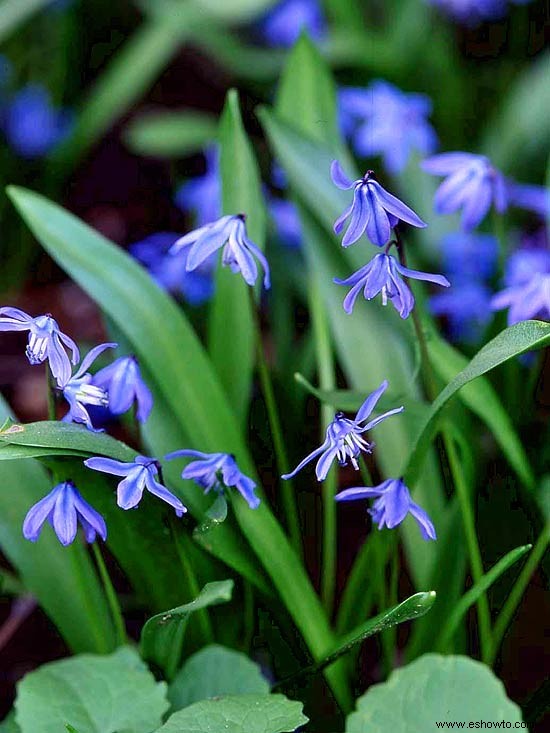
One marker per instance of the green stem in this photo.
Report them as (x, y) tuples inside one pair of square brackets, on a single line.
[(111, 596), (325, 370), (512, 602), (391, 633), (50, 392), (287, 488)]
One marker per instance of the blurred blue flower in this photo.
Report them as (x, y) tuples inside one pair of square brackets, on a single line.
[(383, 120), (344, 437), (287, 221), (64, 507), (216, 470), (203, 195), (527, 294), (466, 307), (46, 341), (473, 12), (469, 254), (138, 475), (383, 275), (282, 25), (32, 125), (530, 197), (239, 251), (170, 270), (124, 384), (80, 390), (393, 503), (373, 209)]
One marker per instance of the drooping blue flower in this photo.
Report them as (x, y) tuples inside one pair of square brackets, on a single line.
[(530, 197), (216, 471), (393, 503), (382, 120), (81, 390), (373, 209), (239, 251), (64, 508), (32, 125), (383, 275), (282, 25), (527, 294), (138, 475), (469, 254), (344, 437), (287, 222), (473, 12), (46, 341), (170, 270), (203, 195), (466, 307), (124, 384)]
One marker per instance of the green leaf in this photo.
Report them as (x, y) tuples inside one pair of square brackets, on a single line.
[(509, 343), (14, 13), (93, 694), (238, 714), (434, 689), (215, 671), (8, 725), (171, 134), (240, 11), (162, 635)]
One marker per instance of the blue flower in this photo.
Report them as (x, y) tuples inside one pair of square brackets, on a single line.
[(383, 120), (527, 294), (344, 437), (466, 307), (80, 390), (469, 254), (33, 126), (170, 271), (239, 251), (383, 275), (216, 470), (282, 25), (287, 221), (473, 12), (64, 507), (123, 381), (46, 341), (530, 197), (393, 503), (138, 475), (203, 195), (373, 209)]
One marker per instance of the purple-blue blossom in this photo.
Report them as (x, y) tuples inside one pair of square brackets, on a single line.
[(138, 475), (528, 196), (216, 471), (469, 254), (473, 12), (32, 124), (393, 503), (382, 120), (287, 221), (81, 391), (170, 270), (282, 25), (384, 275), (466, 307), (527, 292), (239, 251), (45, 341), (64, 508), (344, 439), (373, 209), (124, 384), (202, 195)]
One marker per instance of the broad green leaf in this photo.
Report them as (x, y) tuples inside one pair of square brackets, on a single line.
[(215, 671), (434, 689), (162, 635), (14, 13), (171, 134), (238, 714), (94, 694), (62, 578), (231, 332), (235, 11), (511, 342)]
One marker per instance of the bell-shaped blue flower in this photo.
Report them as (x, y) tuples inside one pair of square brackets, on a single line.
[(123, 381), (393, 503), (373, 209), (239, 252), (140, 474), (344, 437), (64, 508), (527, 294), (282, 25), (202, 195), (383, 275), (216, 471), (81, 391), (46, 341)]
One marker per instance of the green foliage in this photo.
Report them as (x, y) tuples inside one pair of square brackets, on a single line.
[(171, 134)]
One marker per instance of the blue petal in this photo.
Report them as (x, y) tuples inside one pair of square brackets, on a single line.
[(130, 490), (396, 207), (64, 518), (108, 465), (370, 402), (37, 515), (359, 218), (338, 176), (378, 226), (424, 522)]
